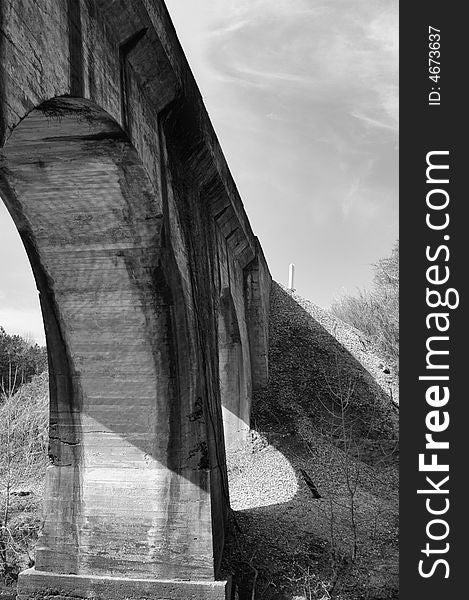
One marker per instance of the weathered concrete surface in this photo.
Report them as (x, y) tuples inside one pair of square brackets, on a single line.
[(234, 388), (154, 289)]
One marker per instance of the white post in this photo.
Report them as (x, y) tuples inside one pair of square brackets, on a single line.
[(291, 278)]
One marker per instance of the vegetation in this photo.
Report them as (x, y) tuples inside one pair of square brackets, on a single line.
[(20, 360), (376, 312), (23, 444)]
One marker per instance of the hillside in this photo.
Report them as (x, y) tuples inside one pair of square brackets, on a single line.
[(315, 492)]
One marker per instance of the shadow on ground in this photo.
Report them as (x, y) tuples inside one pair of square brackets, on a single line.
[(318, 481)]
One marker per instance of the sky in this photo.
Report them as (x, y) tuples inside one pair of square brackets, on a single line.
[(303, 96)]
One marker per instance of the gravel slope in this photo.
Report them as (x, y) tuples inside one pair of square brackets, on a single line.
[(356, 342)]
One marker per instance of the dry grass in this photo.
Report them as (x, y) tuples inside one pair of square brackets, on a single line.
[(23, 440)]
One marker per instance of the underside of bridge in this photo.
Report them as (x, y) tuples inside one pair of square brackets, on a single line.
[(154, 293)]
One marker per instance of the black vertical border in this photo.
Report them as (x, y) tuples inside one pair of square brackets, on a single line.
[(425, 128)]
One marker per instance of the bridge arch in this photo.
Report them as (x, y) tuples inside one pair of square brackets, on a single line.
[(126, 195), (128, 491)]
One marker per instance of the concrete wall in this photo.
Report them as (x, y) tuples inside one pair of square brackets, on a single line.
[(146, 264), (257, 283)]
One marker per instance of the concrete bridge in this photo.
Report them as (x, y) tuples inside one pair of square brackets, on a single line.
[(154, 293)]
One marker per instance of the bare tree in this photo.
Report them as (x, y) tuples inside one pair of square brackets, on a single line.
[(6, 471)]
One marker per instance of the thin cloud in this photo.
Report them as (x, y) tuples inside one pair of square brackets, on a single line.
[(373, 122)]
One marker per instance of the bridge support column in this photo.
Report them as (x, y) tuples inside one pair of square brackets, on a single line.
[(134, 503)]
